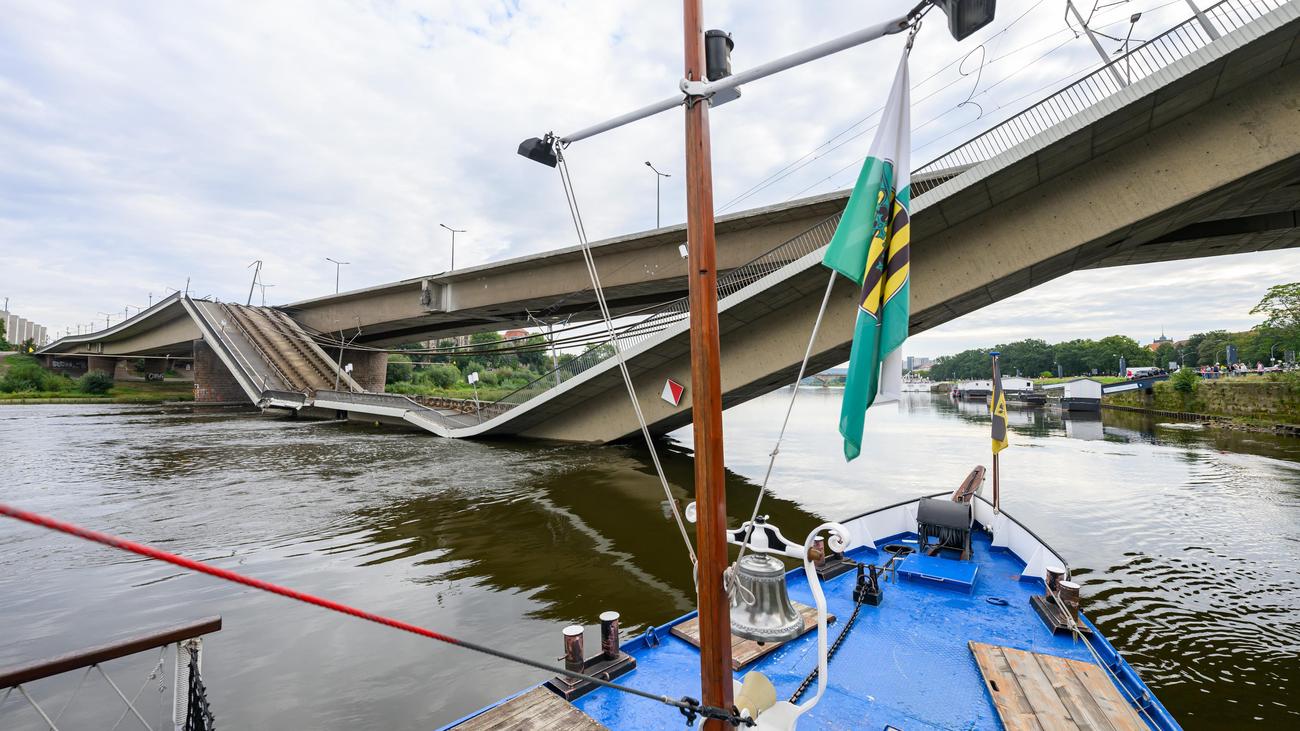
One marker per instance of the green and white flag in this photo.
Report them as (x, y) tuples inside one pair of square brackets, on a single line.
[(870, 247)]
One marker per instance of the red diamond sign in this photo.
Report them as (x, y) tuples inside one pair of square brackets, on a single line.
[(672, 392)]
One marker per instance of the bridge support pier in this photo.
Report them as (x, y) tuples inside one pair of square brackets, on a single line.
[(101, 363), (213, 382), (369, 368)]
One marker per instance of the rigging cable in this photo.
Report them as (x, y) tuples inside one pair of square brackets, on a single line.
[(688, 706), (574, 211)]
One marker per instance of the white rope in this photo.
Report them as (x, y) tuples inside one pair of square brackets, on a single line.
[(576, 214), (771, 462), (38, 708), (1078, 635), (73, 697), (162, 655)]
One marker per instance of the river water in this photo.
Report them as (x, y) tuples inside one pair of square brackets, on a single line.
[(1187, 543)]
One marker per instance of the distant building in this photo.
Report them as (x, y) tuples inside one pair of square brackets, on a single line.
[(19, 329), (512, 334), (1155, 344), (918, 362)]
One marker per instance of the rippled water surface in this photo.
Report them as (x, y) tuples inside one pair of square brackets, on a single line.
[(1187, 543)]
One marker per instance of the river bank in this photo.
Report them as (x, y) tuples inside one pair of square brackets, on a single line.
[(1246, 402), (122, 392)]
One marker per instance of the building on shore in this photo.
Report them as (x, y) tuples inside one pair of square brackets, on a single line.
[(20, 329)]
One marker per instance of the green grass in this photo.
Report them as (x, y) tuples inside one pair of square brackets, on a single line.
[(1101, 379), (123, 392)]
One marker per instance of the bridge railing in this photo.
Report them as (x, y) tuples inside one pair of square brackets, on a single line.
[(1142, 61), (632, 334)]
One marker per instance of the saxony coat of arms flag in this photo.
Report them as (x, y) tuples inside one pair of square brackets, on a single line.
[(870, 246)]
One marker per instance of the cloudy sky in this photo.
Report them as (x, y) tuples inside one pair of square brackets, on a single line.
[(142, 144)]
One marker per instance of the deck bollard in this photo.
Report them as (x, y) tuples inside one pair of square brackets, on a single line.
[(609, 634), (573, 658), (1055, 575), (1069, 593)]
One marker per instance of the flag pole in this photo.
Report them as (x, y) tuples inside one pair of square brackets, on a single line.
[(997, 494), (997, 413)]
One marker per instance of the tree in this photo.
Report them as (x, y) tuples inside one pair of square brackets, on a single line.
[(1026, 356), (4, 344), (1165, 354), (1280, 307), (491, 343), (399, 368), (537, 357)]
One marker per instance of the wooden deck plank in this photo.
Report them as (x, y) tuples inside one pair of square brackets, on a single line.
[(1112, 702), (744, 652), (537, 710), (1001, 683), (1074, 695), (1036, 691)]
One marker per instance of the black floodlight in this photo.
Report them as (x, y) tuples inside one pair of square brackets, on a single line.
[(538, 150), (967, 16)]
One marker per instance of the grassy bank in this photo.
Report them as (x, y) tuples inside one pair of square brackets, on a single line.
[(1099, 379), (22, 380), (130, 392), (1265, 400)]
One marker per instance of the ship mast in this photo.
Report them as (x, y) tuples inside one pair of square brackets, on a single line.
[(706, 385)]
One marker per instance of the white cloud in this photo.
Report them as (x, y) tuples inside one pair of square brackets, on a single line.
[(141, 144)]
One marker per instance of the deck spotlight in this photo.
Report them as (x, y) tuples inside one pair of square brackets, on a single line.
[(717, 54), (966, 16), (539, 150)]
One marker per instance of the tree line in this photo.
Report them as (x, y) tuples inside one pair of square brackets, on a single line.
[(1265, 343)]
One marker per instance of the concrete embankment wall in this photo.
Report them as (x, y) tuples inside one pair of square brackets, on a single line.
[(1247, 398)]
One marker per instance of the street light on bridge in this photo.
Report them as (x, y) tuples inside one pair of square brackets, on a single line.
[(658, 176), (338, 265), (453, 231)]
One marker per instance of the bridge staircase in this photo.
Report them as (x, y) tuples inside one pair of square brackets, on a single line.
[(279, 365)]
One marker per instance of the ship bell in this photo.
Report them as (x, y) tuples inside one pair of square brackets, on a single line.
[(760, 606)]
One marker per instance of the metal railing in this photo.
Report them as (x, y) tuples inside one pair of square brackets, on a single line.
[(1174, 44), (186, 638), (1142, 61), (219, 334)]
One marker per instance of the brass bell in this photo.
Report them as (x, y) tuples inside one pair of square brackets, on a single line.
[(760, 607)]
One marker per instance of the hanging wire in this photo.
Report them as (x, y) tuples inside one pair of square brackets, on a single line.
[(576, 213)]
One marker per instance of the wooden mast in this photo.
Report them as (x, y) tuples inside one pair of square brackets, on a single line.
[(706, 386)]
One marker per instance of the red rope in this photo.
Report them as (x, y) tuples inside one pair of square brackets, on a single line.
[(688, 706), (220, 573)]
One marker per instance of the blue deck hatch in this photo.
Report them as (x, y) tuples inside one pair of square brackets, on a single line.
[(946, 572)]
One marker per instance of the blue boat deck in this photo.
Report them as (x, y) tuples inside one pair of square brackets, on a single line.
[(905, 664)]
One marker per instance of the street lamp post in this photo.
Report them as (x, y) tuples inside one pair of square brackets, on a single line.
[(1271, 359), (658, 177), (338, 265), (453, 231)]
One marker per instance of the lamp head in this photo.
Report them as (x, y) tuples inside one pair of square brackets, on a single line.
[(539, 150), (967, 16)]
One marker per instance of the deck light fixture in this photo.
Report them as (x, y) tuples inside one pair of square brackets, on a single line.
[(966, 16)]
